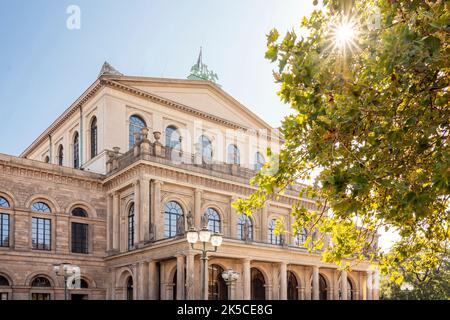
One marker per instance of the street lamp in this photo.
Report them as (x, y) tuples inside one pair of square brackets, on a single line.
[(205, 236), (65, 270), (407, 287), (230, 276)]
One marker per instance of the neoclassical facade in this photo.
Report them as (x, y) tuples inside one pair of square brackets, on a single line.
[(113, 184)]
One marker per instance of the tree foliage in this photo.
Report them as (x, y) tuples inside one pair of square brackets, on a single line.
[(433, 284), (372, 118)]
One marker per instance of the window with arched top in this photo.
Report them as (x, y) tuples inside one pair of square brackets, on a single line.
[(60, 155), (130, 288), (233, 154), (258, 285), (41, 282), (173, 138), (292, 286), (4, 203), (259, 161), (3, 281), (206, 148), (94, 133), (300, 237), (41, 207), (136, 125), (244, 228), (79, 212), (213, 220), (323, 289), (76, 150), (131, 227), (172, 211), (217, 287), (272, 237), (80, 232)]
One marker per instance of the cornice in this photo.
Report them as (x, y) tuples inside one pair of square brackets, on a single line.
[(193, 179), (83, 99), (18, 167), (111, 81)]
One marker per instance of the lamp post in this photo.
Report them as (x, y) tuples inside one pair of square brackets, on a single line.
[(205, 236), (230, 276), (65, 270)]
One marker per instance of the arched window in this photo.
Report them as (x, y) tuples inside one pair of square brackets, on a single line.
[(206, 146), (41, 282), (83, 284), (76, 151), (60, 155), (349, 290), (259, 161), (136, 125), (93, 137), (233, 154), (47, 159), (131, 227), (172, 211), (300, 237), (213, 220), (79, 212), (4, 282), (273, 239), (130, 288), (292, 286), (322, 288), (242, 228), (40, 207), (217, 286), (4, 203), (258, 290), (173, 138)]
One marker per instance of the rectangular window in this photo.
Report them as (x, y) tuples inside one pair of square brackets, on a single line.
[(40, 296), (4, 230), (41, 230), (3, 295), (80, 237)]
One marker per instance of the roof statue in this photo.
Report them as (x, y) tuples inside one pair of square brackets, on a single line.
[(200, 71), (108, 69)]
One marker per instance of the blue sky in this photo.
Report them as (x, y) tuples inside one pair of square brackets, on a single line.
[(44, 66)]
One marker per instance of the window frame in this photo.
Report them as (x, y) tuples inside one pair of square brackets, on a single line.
[(76, 150), (271, 237), (173, 217), (131, 226), (50, 231), (216, 222), (240, 227), (132, 125), (79, 246), (93, 130)]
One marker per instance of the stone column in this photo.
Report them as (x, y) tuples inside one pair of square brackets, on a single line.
[(180, 277), (137, 211), (315, 283), (247, 279), (197, 207), (144, 209), (109, 222), (376, 285), (369, 284), (344, 285), (142, 280), (153, 280), (157, 219), (116, 221), (233, 219), (308, 283), (190, 282), (264, 215), (283, 281)]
